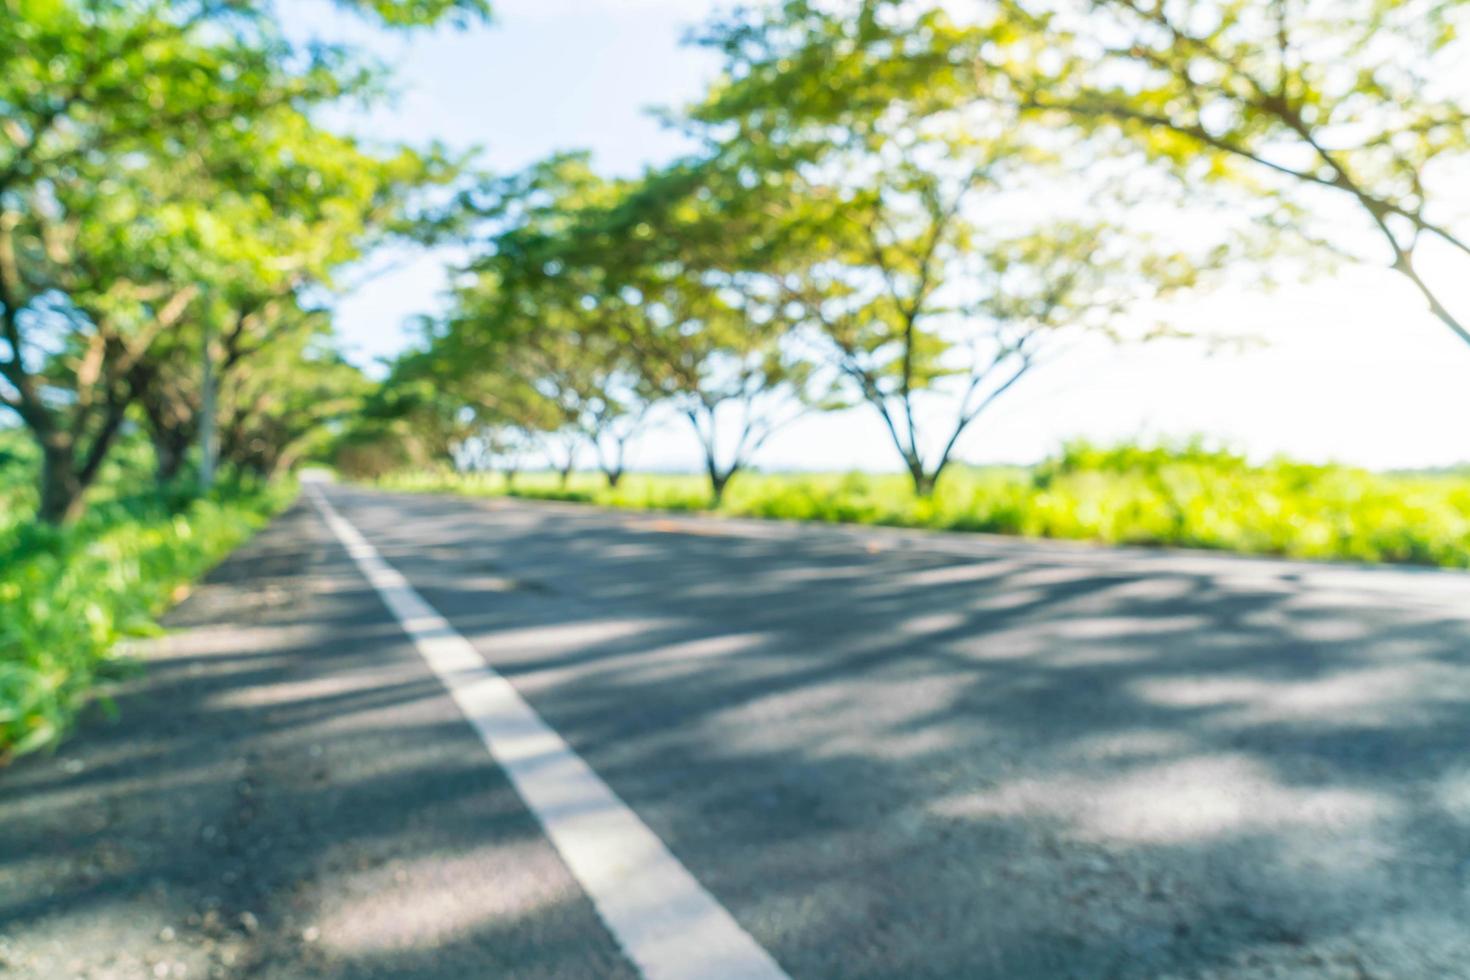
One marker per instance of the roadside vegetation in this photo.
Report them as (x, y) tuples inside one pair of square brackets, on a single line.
[(70, 597), (1180, 496)]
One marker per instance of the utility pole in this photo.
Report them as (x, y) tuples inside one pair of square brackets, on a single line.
[(207, 448)]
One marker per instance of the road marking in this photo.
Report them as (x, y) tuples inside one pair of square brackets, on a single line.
[(662, 917)]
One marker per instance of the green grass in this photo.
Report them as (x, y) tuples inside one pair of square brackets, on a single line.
[(69, 597), (1183, 496)]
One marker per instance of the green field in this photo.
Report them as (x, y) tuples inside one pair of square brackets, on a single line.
[(70, 596), (1164, 496)]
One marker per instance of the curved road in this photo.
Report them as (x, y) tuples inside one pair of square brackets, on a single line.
[(874, 753)]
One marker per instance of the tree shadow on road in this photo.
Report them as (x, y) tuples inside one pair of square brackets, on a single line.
[(285, 792), (1033, 762), (888, 759)]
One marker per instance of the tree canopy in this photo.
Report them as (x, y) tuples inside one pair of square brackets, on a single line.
[(899, 206), (161, 172)]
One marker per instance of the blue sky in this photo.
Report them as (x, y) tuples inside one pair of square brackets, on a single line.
[(1353, 370), (547, 75)]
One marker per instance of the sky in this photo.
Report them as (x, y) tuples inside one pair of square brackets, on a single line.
[(1349, 368)]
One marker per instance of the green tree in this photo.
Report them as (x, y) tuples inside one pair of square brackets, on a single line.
[(133, 135), (895, 220), (706, 342), (84, 300), (1336, 123), (528, 311), (584, 377), (331, 206), (1308, 106), (410, 419), (284, 408), (735, 378)]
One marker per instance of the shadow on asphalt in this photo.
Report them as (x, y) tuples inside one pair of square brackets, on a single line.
[(887, 762), (1068, 763), (285, 792)]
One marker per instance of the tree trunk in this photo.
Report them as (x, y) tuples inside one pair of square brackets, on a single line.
[(717, 482), (168, 461), (61, 487), (65, 473), (614, 477), (171, 431), (566, 475), (924, 482), (169, 453)]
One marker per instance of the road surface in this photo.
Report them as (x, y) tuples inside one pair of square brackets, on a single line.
[(869, 753)]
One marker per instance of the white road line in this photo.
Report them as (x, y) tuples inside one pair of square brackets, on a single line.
[(665, 921)]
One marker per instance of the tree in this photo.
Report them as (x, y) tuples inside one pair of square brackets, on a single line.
[(931, 350), (510, 422), (704, 342), (462, 398), (124, 272), (1303, 103), (544, 331), (573, 386), (892, 220), (1340, 122), (734, 378), (405, 421), (267, 291), (586, 381), (81, 305), (527, 312), (281, 386), (284, 408), (132, 136)]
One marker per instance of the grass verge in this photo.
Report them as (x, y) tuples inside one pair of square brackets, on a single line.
[(69, 597), (1181, 496)]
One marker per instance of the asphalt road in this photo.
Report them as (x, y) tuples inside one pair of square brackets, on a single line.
[(886, 754)]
